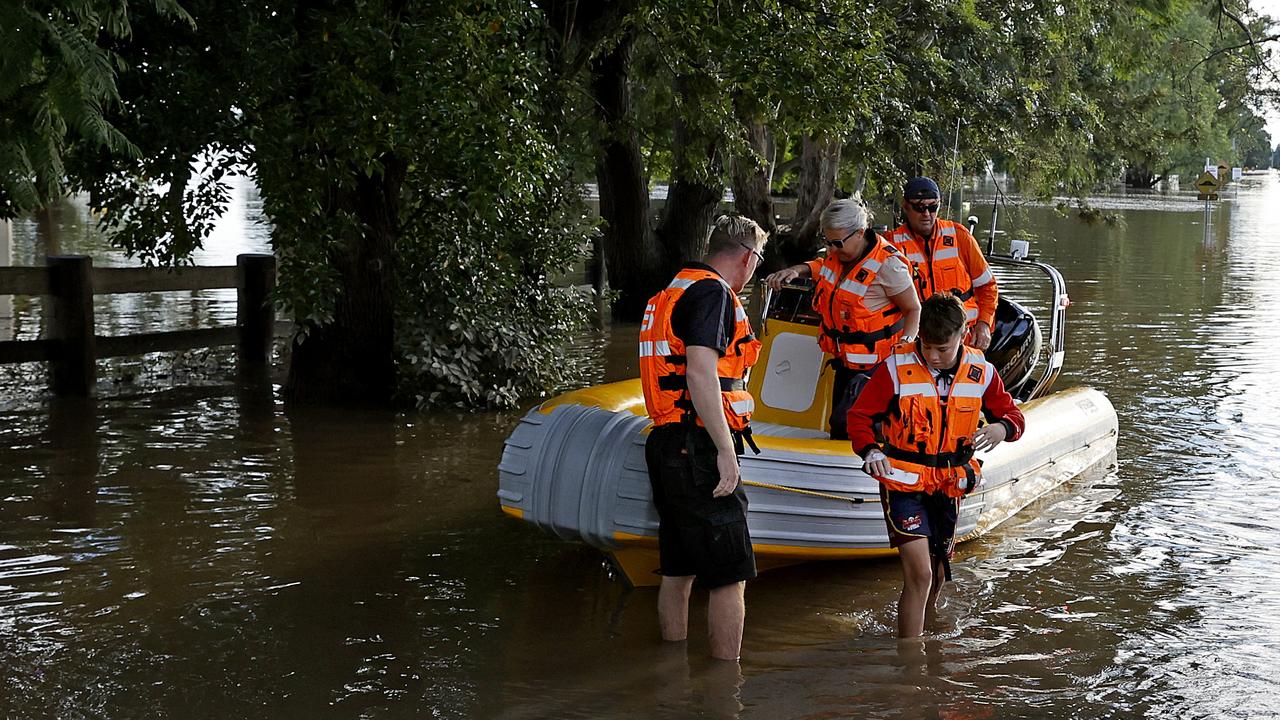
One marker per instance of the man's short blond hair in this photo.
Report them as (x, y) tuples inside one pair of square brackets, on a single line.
[(731, 232)]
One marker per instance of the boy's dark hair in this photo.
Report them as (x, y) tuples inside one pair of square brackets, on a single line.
[(941, 317)]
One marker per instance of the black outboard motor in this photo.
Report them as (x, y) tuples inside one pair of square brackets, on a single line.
[(1015, 347)]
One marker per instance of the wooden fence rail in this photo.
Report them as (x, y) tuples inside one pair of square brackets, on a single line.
[(72, 348)]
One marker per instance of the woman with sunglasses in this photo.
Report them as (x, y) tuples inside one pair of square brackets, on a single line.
[(945, 257), (864, 296)]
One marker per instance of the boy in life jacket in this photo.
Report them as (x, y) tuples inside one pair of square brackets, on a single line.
[(929, 397)]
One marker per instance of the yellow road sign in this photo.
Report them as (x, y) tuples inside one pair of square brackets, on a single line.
[(1224, 174), (1206, 184)]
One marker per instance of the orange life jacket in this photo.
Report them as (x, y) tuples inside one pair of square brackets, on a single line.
[(937, 265), (926, 439), (663, 361), (858, 337)]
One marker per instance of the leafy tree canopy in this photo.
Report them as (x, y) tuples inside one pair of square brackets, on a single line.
[(421, 163)]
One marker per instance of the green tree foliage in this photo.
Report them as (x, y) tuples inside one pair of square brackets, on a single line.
[(1167, 98), (56, 81), (421, 163)]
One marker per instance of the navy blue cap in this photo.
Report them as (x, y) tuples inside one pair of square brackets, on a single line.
[(920, 188)]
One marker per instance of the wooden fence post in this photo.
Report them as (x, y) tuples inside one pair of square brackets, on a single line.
[(71, 322), (255, 313)]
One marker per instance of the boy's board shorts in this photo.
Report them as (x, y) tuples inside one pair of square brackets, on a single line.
[(914, 515), (698, 534)]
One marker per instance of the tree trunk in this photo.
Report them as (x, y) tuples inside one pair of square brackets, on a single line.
[(753, 176), (859, 181), (690, 210), (1139, 176), (819, 163), (820, 160), (693, 196), (634, 263), (351, 360)]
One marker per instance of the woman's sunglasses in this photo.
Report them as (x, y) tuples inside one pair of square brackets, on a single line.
[(837, 244)]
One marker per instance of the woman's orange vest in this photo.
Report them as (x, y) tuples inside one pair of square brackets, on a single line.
[(940, 268), (926, 439), (858, 337), (663, 362)]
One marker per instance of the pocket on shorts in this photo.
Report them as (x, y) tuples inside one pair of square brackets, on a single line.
[(702, 458), (728, 541)]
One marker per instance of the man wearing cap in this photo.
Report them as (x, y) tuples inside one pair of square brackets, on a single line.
[(945, 257)]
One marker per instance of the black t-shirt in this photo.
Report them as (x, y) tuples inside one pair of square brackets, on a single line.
[(704, 314)]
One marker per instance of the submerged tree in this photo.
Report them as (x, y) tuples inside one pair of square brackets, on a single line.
[(419, 206)]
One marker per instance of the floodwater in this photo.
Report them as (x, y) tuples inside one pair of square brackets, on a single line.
[(193, 551)]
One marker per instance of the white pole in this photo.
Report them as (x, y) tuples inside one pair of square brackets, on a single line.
[(6, 259), (955, 152), (1208, 220)]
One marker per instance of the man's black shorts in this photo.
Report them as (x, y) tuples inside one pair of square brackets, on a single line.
[(698, 534)]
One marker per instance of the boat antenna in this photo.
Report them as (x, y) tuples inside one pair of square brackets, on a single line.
[(955, 152), (996, 201)]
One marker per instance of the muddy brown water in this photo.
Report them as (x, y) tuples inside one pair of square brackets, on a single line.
[(196, 551)]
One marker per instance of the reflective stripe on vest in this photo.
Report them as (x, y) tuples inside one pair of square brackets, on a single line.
[(663, 365), (654, 348), (861, 358)]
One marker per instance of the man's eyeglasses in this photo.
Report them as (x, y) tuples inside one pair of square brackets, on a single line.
[(759, 255), (923, 208), (837, 244)]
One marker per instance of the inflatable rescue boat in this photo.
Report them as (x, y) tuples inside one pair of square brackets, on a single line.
[(575, 465)]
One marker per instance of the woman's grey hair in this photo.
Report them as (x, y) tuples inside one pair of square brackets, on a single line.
[(848, 215)]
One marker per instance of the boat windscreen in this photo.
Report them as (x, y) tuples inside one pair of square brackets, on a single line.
[(794, 303)]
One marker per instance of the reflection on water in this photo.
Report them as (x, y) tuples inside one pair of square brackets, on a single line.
[(199, 552), (70, 228)]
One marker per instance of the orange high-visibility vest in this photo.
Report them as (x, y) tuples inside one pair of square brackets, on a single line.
[(927, 440), (938, 267), (663, 362), (858, 337)]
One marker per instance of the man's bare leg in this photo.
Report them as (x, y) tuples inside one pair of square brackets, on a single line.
[(673, 607), (726, 613)]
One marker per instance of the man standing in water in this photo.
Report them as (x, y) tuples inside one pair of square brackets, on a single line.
[(928, 396), (696, 347), (945, 258)]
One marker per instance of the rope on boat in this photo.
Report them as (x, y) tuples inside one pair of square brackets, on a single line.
[(801, 491)]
